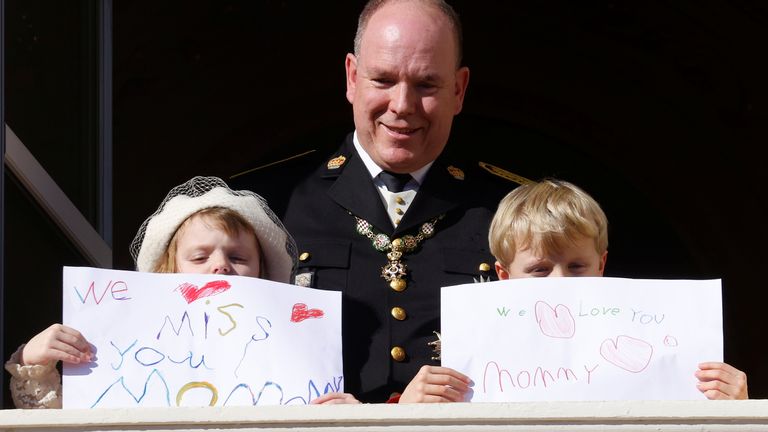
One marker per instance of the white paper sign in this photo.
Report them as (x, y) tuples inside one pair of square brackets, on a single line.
[(579, 338), (185, 339)]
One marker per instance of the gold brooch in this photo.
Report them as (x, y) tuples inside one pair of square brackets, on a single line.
[(436, 346), (336, 162), (457, 173)]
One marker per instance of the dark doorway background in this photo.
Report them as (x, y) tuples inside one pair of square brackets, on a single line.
[(658, 109)]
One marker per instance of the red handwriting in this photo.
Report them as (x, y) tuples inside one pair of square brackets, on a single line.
[(539, 377), (300, 312), (191, 292), (118, 290)]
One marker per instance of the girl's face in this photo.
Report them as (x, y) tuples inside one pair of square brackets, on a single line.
[(202, 247), (577, 259)]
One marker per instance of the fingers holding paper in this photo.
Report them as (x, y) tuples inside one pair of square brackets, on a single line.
[(719, 380), (433, 384)]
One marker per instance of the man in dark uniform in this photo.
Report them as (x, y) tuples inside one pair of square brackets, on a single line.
[(388, 220)]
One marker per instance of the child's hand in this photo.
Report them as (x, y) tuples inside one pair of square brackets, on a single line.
[(436, 384), (57, 342), (334, 398), (721, 381)]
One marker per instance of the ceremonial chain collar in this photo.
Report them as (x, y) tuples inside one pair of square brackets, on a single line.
[(394, 272)]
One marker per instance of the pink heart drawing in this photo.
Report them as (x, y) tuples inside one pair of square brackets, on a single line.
[(300, 312), (191, 292), (670, 341), (628, 353), (557, 322)]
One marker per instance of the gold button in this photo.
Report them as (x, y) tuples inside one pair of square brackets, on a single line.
[(397, 221), (398, 354), (398, 313), (304, 256), (399, 211), (399, 200), (484, 267), (398, 284)]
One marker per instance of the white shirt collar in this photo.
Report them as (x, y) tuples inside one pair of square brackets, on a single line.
[(375, 170)]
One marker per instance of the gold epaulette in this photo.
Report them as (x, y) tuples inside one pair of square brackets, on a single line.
[(504, 173)]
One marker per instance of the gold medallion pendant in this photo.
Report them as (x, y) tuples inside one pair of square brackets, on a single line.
[(395, 271)]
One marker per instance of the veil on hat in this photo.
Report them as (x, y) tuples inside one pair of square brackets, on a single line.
[(199, 193)]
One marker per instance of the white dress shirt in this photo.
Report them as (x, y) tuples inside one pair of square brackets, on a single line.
[(395, 203)]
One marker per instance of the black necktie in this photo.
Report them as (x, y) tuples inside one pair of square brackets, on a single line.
[(394, 182)]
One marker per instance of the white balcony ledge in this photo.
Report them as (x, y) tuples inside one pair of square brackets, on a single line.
[(742, 416)]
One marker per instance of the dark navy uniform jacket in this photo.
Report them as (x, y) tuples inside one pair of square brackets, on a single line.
[(334, 256)]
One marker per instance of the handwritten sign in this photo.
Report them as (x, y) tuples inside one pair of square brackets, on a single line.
[(198, 340), (582, 338)]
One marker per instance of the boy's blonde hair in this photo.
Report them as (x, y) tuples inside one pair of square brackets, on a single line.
[(546, 216), (228, 220)]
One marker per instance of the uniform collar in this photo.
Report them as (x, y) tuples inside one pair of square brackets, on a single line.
[(439, 193), (375, 170)]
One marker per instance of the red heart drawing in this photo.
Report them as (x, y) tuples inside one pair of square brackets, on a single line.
[(628, 353), (300, 313), (557, 322), (191, 292)]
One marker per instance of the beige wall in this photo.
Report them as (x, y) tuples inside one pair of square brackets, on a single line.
[(742, 416)]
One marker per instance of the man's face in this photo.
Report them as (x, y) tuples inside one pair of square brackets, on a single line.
[(404, 86)]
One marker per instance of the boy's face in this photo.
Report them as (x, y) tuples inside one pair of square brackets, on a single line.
[(202, 247), (576, 259)]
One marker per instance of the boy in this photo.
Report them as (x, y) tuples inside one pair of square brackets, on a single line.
[(548, 229)]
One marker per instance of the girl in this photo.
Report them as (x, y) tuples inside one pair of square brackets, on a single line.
[(202, 226)]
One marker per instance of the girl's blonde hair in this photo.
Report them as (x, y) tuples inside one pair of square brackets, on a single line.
[(228, 220), (546, 216)]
